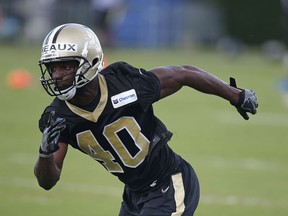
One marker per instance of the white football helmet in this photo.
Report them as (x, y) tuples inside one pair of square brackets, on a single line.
[(66, 43)]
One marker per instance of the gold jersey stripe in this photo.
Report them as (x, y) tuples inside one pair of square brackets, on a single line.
[(93, 116), (179, 194)]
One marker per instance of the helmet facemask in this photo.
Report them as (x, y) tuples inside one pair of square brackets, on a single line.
[(63, 87)]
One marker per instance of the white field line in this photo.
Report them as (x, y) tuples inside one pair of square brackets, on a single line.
[(214, 162), (261, 118), (65, 186), (23, 158), (241, 163), (243, 201), (116, 192)]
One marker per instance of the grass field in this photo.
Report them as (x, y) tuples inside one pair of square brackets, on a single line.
[(242, 165)]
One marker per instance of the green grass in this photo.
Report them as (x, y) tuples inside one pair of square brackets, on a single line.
[(242, 165)]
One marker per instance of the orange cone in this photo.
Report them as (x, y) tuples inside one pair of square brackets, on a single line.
[(19, 79)]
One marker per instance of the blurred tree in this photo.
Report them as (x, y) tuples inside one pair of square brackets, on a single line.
[(253, 21)]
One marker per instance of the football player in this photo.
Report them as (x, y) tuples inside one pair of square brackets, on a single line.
[(108, 115)]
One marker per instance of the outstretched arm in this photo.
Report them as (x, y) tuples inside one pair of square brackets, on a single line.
[(173, 78)]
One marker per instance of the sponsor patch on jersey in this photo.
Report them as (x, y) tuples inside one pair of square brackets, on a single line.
[(124, 98)]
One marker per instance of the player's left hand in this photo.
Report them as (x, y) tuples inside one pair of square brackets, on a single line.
[(247, 102)]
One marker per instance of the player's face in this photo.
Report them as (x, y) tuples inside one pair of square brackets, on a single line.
[(63, 73)]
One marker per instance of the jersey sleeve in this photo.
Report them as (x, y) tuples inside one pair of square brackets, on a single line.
[(145, 83)]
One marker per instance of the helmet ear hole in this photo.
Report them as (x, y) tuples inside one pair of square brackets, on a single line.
[(95, 61)]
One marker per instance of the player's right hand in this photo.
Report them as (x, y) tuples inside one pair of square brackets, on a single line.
[(51, 135)]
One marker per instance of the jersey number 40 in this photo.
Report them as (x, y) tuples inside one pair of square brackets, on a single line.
[(89, 144)]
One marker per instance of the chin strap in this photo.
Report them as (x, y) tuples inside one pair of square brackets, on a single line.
[(68, 95)]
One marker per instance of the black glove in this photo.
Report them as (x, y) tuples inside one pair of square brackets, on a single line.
[(51, 135), (247, 102)]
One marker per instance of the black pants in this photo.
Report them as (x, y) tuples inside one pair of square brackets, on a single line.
[(178, 195)]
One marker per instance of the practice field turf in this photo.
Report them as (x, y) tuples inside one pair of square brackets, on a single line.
[(242, 165)]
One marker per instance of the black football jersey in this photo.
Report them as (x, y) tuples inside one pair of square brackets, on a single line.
[(118, 129)]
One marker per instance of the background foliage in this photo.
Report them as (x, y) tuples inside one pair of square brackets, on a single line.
[(255, 22)]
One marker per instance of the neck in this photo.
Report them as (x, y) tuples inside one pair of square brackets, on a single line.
[(86, 94)]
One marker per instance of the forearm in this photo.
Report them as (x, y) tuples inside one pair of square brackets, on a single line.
[(47, 172), (208, 83)]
